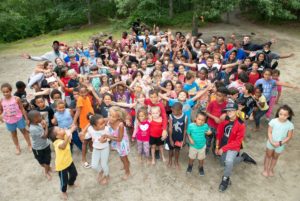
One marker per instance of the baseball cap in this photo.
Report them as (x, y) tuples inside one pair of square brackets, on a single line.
[(231, 106)]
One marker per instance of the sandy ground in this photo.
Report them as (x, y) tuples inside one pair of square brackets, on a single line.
[(21, 177)]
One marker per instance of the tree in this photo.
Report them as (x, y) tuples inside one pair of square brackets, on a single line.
[(170, 8)]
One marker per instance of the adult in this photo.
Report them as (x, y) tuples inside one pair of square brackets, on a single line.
[(49, 56), (249, 47), (230, 134)]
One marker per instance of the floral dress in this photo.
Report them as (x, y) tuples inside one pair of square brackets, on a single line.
[(121, 147)]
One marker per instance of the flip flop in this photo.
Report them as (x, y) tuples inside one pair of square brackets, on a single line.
[(86, 165)]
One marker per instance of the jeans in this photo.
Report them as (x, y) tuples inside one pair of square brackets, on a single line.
[(258, 115), (100, 160), (229, 159)]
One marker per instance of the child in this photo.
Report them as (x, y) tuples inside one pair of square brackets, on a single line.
[(280, 131), (254, 74), (46, 111), (177, 132), (190, 85), (64, 118), (261, 109), (100, 147), (157, 136), (21, 93), (246, 96), (215, 115), (13, 114), (196, 134), (38, 129), (83, 108), (142, 133), (64, 165), (118, 135)]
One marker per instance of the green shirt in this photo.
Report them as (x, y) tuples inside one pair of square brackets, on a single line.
[(197, 133)]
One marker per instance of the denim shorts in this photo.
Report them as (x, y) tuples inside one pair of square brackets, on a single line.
[(21, 124)]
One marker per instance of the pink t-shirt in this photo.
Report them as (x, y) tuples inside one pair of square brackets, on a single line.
[(143, 131), (11, 110)]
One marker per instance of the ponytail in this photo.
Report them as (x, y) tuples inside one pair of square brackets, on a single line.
[(93, 118)]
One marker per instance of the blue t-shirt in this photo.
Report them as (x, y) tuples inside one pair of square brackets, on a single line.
[(186, 109), (64, 119), (191, 88), (267, 86), (198, 133), (280, 130)]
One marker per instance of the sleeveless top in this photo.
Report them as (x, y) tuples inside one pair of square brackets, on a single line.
[(121, 147), (178, 125), (11, 110)]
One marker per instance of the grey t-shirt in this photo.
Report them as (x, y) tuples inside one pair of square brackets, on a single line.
[(36, 133)]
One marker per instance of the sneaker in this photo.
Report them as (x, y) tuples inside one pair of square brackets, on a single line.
[(189, 169), (201, 171), (224, 184), (247, 158), (157, 156)]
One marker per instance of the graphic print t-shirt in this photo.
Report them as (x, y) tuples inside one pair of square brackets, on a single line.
[(227, 132)]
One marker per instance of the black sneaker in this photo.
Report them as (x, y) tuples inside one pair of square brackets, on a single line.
[(201, 171), (189, 169), (224, 184), (247, 158), (157, 156)]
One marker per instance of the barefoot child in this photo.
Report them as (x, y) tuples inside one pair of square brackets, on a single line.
[(100, 153), (13, 114), (117, 130), (280, 131), (64, 165), (177, 132), (142, 133), (196, 133), (40, 144)]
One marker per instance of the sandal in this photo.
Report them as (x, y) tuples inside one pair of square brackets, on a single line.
[(86, 165)]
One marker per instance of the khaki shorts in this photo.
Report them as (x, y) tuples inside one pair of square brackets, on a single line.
[(197, 153)]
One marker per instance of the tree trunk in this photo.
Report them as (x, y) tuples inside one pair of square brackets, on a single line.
[(170, 8), (89, 12), (227, 17)]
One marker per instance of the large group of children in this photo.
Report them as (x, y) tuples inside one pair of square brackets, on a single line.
[(158, 90)]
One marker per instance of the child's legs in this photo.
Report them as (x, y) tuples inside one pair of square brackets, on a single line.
[(177, 152), (83, 154), (96, 155), (274, 161), (26, 136), (201, 156), (139, 147), (153, 147), (104, 161), (146, 149), (63, 177), (72, 174), (76, 140), (268, 159), (125, 161), (15, 139), (161, 149), (257, 116), (271, 106)]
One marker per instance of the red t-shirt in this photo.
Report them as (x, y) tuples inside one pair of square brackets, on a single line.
[(162, 109), (253, 77), (215, 108), (65, 80), (156, 129)]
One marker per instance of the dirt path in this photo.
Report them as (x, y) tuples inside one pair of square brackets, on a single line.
[(21, 177)]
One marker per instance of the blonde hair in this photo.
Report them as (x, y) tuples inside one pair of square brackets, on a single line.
[(121, 112), (156, 108), (71, 72)]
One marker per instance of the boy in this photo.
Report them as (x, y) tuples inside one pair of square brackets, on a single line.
[(21, 93), (40, 145), (215, 115), (254, 74), (63, 158), (230, 135), (190, 85), (177, 132), (196, 134), (46, 111)]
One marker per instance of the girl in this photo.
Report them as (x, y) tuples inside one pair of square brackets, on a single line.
[(157, 136), (181, 73), (64, 165), (116, 119), (124, 73), (142, 133), (280, 131), (262, 107), (13, 114), (100, 154)]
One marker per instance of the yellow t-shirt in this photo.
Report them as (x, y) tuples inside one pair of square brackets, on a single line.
[(63, 157), (263, 99)]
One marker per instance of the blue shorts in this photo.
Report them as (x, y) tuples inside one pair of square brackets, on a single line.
[(19, 124), (278, 150)]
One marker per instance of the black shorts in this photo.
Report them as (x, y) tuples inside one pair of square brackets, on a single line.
[(43, 156), (156, 141)]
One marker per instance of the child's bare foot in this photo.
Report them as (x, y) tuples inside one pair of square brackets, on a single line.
[(99, 176), (29, 148), (265, 174), (64, 196), (126, 176), (170, 163), (271, 173), (18, 151), (177, 166), (48, 175), (153, 162), (104, 181), (163, 159), (255, 129)]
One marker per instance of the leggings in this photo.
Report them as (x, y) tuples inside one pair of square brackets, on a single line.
[(143, 148), (76, 140), (271, 106), (67, 177), (100, 160)]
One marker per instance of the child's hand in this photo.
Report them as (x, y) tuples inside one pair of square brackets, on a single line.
[(219, 152), (102, 139), (192, 141), (172, 143), (276, 144), (164, 135), (128, 122), (81, 136), (217, 120), (43, 123), (209, 132)]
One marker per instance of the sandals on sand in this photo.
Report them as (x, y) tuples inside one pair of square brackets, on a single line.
[(86, 165)]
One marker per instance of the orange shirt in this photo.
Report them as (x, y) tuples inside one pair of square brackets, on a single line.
[(86, 107)]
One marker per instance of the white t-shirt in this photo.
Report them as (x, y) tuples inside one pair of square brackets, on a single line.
[(96, 135)]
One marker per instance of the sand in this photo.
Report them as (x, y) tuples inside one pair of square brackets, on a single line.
[(21, 178)]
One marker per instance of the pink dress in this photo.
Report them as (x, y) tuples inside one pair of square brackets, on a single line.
[(121, 147), (11, 110)]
